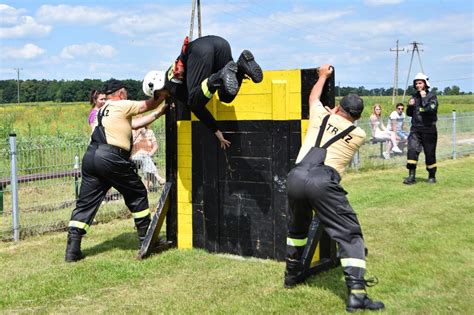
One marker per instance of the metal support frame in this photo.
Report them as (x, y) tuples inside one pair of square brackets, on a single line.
[(328, 255)]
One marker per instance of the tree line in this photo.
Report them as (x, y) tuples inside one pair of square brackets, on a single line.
[(78, 90), (362, 91), (59, 91)]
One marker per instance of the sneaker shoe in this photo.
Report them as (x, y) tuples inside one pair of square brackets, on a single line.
[(248, 66), (431, 180), (386, 155), (396, 149)]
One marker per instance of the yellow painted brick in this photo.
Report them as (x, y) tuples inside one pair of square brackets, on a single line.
[(184, 150), (280, 99), (184, 126), (185, 173), (184, 184), (184, 161), (184, 196), (186, 221), (184, 137), (185, 208), (185, 241)]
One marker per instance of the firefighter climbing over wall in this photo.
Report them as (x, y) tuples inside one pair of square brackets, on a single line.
[(204, 66)]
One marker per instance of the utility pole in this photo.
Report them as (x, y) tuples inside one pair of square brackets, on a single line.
[(415, 48), (395, 77), (18, 83)]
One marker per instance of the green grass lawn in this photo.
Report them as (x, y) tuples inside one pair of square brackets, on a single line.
[(420, 240)]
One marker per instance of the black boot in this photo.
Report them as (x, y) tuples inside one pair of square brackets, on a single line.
[(142, 228), (141, 231), (432, 178), (358, 300), (73, 249), (410, 180), (248, 66), (294, 274), (227, 78)]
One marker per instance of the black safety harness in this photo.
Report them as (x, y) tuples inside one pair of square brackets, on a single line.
[(99, 139)]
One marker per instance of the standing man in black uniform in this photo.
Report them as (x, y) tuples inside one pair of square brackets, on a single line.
[(106, 164), (423, 110), (205, 66), (331, 141)]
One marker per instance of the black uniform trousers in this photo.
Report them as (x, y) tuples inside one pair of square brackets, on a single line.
[(205, 56), (426, 141), (317, 187), (105, 166)]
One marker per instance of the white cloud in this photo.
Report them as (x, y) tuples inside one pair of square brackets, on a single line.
[(382, 2), (88, 49), (9, 14), (74, 14), (23, 26), (150, 24), (460, 58), (28, 51)]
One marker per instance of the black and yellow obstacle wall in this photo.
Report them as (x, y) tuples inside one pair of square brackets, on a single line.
[(234, 201)]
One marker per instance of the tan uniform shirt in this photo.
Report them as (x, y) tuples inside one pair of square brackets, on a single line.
[(117, 121), (340, 153)]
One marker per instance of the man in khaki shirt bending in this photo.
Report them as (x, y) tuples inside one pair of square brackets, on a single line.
[(328, 147), (106, 164)]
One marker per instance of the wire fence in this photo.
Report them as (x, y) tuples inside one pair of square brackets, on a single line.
[(48, 175), (46, 185), (455, 138)]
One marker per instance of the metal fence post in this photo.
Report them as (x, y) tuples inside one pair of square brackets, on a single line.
[(76, 177), (14, 185), (454, 134), (356, 158), (1, 199)]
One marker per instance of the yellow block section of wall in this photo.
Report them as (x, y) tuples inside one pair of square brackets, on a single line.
[(277, 97), (184, 185)]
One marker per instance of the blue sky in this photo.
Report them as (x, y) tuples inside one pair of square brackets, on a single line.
[(125, 39)]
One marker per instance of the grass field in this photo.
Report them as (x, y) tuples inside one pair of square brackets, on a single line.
[(70, 119), (420, 239)]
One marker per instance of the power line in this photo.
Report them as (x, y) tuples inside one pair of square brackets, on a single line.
[(294, 27), (415, 48)]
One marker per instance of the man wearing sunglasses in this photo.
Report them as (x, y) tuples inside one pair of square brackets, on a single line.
[(396, 122)]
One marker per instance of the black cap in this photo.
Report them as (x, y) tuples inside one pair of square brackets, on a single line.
[(353, 105), (113, 85)]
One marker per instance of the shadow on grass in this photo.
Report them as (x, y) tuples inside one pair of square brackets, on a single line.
[(124, 241), (330, 280)]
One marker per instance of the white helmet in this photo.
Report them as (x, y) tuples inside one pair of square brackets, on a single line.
[(422, 76), (153, 81)]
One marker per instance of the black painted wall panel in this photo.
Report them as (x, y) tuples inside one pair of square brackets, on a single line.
[(241, 208)]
